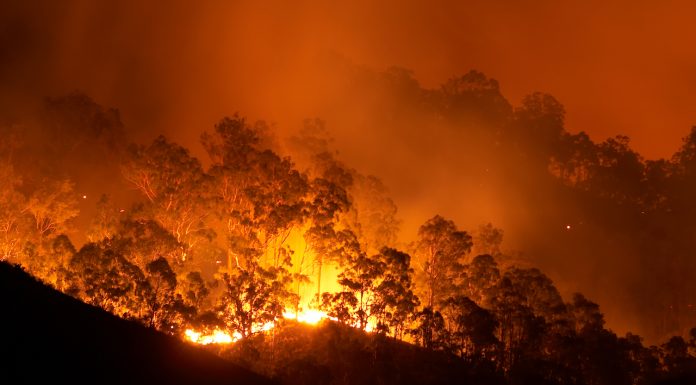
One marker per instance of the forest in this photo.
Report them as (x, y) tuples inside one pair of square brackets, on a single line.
[(258, 231)]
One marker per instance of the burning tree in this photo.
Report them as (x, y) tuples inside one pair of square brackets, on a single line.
[(259, 195), (376, 292), (254, 297)]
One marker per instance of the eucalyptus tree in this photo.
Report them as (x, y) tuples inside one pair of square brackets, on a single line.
[(176, 189), (441, 251)]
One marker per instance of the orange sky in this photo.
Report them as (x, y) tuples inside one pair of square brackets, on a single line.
[(621, 68)]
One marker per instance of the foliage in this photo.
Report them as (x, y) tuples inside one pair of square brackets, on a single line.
[(441, 251), (253, 297), (234, 220), (105, 278), (376, 293)]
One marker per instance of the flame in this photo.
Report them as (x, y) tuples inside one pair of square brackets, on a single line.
[(217, 337), (265, 327), (370, 327), (309, 316)]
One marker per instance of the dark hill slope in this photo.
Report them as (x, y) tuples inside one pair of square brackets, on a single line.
[(48, 337), (331, 353)]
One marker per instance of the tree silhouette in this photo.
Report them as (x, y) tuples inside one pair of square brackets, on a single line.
[(441, 251)]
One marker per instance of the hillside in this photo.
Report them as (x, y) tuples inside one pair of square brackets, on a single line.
[(332, 353), (49, 337)]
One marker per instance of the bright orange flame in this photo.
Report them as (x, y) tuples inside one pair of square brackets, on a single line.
[(217, 337), (310, 316)]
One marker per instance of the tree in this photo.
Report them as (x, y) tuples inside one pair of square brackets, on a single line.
[(519, 330), (177, 190), (471, 327), (474, 98), (358, 280), (373, 214), (331, 221), (104, 278), (618, 173), (52, 206), (326, 201), (685, 158), (59, 252), (488, 240), (74, 131), (539, 125), (479, 279), (162, 301), (441, 251), (675, 357), (342, 306), (143, 241), (573, 159), (376, 292), (539, 293), (74, 123), (193, 290), (260, 195), (430, 331), (585, 314), (253, 297), (14, 224), (105, 223), (330, 246), (395, 301)]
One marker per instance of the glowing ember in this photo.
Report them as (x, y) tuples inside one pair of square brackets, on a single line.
[(217, 337), (265, 327), (310, 316)]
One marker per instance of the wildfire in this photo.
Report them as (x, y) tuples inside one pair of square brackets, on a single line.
[(216, 337), (310, 316)]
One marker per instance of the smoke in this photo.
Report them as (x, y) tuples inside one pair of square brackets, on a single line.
[(617, 68), (176, 68)]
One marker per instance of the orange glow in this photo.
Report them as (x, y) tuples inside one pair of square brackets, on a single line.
[(309, 316), (216, 337)]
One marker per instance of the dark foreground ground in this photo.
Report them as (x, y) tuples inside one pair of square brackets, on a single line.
[(48, 337)]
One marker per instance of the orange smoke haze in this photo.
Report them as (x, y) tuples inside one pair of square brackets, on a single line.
[(619, 68), (176, 68)]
